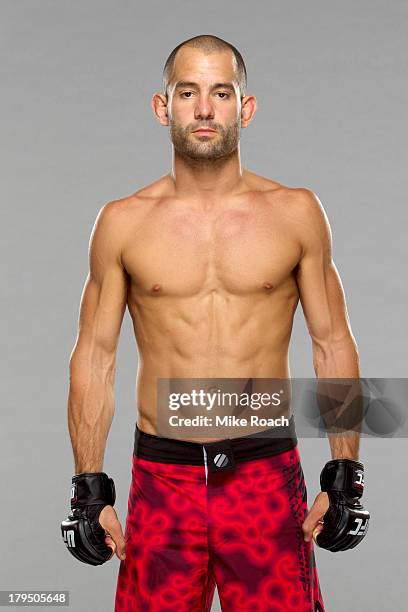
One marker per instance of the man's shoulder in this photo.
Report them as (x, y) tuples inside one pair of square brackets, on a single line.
[(301, 203), (118, 211), (300, 207), (307, 215), (307, 205), (152, 192), (303, 197)]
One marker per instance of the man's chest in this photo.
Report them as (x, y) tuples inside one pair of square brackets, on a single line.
[(236, 251)]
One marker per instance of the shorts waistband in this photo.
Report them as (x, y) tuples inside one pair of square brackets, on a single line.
[(245, 448)]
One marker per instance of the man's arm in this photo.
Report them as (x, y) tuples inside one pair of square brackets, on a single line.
[(322, 297), (92, 362)]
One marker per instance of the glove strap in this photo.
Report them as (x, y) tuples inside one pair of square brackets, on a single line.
[(91, 489), (345, 475)]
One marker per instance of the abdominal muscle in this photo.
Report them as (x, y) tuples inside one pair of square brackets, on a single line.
[(210, 335)]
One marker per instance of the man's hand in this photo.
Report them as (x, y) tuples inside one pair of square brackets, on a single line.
[(114, 537), (87, 538), (337, 520), (313, 523)]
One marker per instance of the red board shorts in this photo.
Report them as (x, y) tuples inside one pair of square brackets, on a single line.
[(226, 513)]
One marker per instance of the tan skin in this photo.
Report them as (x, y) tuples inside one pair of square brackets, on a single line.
[(211, 261)]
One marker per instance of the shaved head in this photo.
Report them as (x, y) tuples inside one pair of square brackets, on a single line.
[(207, 44)]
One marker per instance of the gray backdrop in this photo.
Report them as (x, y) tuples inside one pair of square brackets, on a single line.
[(77, 131)]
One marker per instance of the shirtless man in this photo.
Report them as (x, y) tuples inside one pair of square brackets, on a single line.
[(211, 260)]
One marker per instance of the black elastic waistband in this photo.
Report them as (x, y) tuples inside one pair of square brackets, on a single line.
[(254, 446)]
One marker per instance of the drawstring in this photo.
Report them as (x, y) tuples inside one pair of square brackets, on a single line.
[(205, 464)]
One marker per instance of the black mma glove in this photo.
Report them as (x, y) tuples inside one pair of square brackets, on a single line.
[(82, 532), (346, 521)]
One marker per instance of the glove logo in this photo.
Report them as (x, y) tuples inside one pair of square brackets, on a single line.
[(361, 527), (359, 478), (69, 538), (73, 493)]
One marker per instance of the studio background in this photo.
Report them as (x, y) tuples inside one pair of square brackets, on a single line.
[(77, 131)]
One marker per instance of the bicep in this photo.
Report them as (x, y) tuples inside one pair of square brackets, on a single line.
[(103, 299), (320, 289), (322, 298)]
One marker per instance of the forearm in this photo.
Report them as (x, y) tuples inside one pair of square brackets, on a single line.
[(91, 408), (336, 358), (345, 446), (340, 360)]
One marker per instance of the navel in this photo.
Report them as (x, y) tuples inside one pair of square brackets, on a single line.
[(268, 286), (156, 287)]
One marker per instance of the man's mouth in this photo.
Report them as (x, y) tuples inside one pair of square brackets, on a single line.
[(203, 130)]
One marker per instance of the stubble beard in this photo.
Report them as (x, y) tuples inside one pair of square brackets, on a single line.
[(209, 148)]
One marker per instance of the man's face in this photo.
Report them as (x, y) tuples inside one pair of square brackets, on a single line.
[(204, 93)]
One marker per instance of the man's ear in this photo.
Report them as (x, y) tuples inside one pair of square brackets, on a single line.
[(248, 110), (159, 107)]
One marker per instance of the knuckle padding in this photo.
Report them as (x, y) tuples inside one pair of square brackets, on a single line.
[(346, 521), (81, 531)]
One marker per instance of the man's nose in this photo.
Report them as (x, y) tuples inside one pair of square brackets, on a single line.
[(204, 108)]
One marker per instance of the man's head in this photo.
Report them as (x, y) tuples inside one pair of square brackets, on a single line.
[(204, 86), (208, 44)]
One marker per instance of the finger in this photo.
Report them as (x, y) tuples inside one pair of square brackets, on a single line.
[(116, 535), (310, 524), (316, 532), (109, 542), (109, 521), (316, 513)]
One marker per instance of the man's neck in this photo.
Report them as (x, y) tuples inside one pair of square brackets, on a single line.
[(202, 179)]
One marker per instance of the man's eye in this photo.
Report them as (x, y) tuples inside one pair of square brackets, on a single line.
[(188, 94)]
